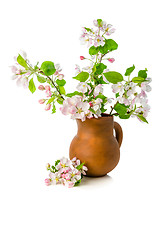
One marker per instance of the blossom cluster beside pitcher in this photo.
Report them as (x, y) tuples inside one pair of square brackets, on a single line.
[(129, 93), (66, 172)]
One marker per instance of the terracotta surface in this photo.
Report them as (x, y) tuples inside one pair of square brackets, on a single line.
[(96, 146)]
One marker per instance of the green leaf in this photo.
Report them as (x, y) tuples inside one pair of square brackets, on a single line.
[(113, 77), (121, 109), (138, 80), (51, 100), (74, 94), (60, 100), (92, 110), (101, 96), (22, 61), (99, 22), (111, 45), (36, 66), (142, 118), (53, 169), (129, 70), (53, 109), (48, 68), (103, 49), (77, 183), (93, 50), (62, 90), (41, 79), (61, 82), (57, 162), (103, 109), (82, 76), (101, 81), (143, 73), (80, 166), (32, 87), (88, 29), (117, 95), (100, 68), (124, 116)]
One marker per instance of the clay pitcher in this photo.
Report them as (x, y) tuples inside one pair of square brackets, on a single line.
[(96, 146)]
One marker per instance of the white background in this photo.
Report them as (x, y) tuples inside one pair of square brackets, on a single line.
[(123, 205)]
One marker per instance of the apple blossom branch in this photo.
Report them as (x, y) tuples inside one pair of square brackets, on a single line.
[(51, 82), (89, 101)]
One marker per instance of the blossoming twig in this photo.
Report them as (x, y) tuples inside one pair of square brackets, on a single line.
[(51, 82)]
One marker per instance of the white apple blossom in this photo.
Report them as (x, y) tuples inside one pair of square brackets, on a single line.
[(58, 69), (84, 169), (23, 81), (86, 38), (75, 175), (123, 100), (23, 54), (145, 86), (64, 165), (88, 68), (98, 89), (118, 88), (83, 87), (109, 30), (99, 41), (77, 69), (82, 111), (55, 177), (96, 105), (130, 88), (69, 105)]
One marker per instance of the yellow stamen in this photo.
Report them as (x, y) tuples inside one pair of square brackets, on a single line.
[(79, 110)]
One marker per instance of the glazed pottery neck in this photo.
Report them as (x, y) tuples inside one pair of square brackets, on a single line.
[(98, 126)]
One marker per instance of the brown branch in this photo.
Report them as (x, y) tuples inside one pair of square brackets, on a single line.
[(52, 83), (112, 108)]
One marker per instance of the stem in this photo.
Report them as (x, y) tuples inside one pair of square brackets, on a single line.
[(112, 108), (52, 83), (102, 56)]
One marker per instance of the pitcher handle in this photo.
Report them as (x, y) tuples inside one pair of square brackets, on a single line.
[(118, 133)]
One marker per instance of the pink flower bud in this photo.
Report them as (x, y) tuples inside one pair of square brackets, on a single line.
[(111, 60), (90, 103), (48, 93), (82, 58), (61, 76), (41, 101), (63, 175), (41, 87), (48, 106), (47, 88), (47, 181)]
